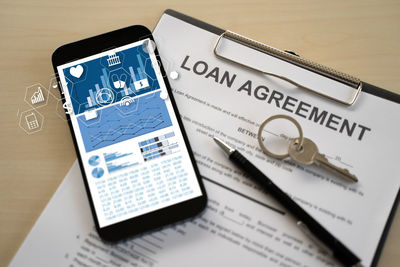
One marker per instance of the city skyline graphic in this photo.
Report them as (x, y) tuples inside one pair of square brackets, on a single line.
[(117, 75)]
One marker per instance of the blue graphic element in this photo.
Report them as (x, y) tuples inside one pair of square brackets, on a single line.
[(94, 160), (119, 123), (159, 153), (97, 172), (141, 68), (150, 147), (156, 139), (98, 74), (113, 166), (116, 155), (158, 146)]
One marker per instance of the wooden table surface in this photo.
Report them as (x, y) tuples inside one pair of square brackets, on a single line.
[(358, 37)]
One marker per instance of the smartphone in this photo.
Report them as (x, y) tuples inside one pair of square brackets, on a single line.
[(138, 168)]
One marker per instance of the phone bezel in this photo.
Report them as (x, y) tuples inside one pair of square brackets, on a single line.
[(155, 219)]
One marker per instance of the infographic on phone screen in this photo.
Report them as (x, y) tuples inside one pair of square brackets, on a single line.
[(133, 152)]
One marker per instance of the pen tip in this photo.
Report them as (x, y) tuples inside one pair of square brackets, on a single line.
[(228, 150), (217, 140)]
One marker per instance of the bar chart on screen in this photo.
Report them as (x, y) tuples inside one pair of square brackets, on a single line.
[(117, 161), (122, 74), (158, 146)]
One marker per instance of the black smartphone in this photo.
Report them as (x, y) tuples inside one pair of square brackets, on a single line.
[(136, 161)]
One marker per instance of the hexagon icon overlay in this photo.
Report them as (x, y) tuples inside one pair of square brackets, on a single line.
[(31, 121), (36, 95)]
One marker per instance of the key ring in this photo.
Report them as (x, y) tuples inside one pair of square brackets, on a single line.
[(280, 116)]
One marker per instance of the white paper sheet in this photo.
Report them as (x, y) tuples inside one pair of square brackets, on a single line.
[(356, 137)]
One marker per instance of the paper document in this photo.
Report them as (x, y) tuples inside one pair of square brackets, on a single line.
[(219, 98)]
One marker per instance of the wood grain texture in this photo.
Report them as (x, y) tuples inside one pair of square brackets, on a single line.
[(358, 37)]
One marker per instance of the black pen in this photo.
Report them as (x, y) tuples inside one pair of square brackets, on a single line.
[(307, 224)]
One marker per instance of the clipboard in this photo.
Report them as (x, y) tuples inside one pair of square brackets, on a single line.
[(358, 86)]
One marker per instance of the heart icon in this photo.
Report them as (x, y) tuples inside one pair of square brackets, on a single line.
[(76, 71)]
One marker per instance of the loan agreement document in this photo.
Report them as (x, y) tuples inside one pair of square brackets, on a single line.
[(219, 98), (242, 226)]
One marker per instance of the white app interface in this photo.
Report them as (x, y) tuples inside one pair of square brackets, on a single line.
[(133, 152)]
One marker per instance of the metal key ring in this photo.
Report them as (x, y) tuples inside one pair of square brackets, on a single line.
[(280, 116)]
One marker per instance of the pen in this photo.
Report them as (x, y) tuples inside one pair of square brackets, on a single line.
[(306, 222)]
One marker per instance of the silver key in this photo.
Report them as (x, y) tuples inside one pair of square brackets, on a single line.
[(309, 154)]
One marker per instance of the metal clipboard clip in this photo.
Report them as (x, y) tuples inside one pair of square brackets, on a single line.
[(292, 58)]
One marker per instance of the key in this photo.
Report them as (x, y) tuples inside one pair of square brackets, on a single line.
[(309, 154)]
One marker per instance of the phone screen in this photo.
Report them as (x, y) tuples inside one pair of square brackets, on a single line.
[(132, 149)]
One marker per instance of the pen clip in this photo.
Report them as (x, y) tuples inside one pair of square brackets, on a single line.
[(303, 227)]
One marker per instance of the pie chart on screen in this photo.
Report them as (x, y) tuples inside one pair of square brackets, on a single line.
[(94, 160), (97, 172)]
